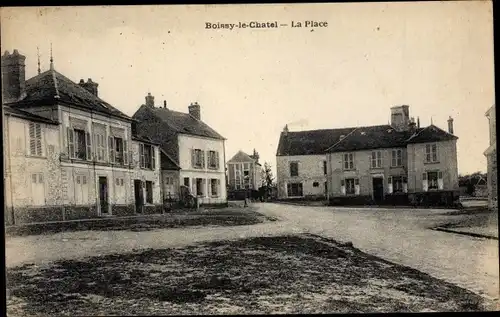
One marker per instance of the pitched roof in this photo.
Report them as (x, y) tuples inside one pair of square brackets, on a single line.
[(167, 163), (28, 115), (312, 142), (356, 139), (371, 137), (183, 122), (241, 156), (431, 134), (52, 87)]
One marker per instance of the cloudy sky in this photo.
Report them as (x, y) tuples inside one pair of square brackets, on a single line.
[(436, 57)]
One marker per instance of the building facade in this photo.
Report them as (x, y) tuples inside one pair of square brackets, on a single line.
[(491, 157), (244, 174), (398, 163), (196, 151), (74, 155)]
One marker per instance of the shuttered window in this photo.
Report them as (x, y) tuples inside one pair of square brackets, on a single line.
[(35, 135)]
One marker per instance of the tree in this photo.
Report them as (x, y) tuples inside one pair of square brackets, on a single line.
[(267, 180)]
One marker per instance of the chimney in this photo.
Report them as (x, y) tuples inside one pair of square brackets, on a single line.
[(13, 76), (450, 125), (412, 126), (164, 104), (150, 100), (418, 122), (90, 86), (255, 156), (400, 117), (194, 110), (285, 129)]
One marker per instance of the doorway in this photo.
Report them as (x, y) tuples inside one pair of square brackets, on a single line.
[(139, 196), (378, 189), (103, 196)]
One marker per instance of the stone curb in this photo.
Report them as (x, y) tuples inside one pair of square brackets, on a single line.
[(476, 235)]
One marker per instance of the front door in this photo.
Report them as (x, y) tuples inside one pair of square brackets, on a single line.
[(378, 189), (103, 195), (139, 196)]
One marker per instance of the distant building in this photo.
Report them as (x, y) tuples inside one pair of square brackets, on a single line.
[(397, 163), (68, 153), (491, 156), (193, 152), (244, 172)]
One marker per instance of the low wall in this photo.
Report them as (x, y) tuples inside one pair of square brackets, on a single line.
[(421, 199)]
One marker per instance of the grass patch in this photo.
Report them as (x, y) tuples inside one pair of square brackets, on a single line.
[(214, 217), (288, 274)]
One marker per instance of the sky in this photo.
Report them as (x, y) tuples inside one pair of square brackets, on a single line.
[(436, 57)]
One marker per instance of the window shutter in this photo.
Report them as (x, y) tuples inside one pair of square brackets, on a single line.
[(440, 175), (95, 146), (202, 154), (193, 158), (71, 144), (89, 146), (125, 152), (32, 138), (424, 176), (38, 138), (141, 155), (153, 157), (111, 149), (217, 160)]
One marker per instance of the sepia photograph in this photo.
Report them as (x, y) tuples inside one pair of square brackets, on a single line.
[(315, 158)]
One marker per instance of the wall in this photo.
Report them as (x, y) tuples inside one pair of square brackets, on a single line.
[(146, 174), (310, 171), (447, 157), (492, 181), (186, 144), (170, 191), (254, 173), (362, 170)]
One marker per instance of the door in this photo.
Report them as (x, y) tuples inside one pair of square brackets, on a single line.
[(378, 189), (103, 195), (139, 196)]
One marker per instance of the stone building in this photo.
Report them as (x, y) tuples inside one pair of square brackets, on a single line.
[(244, 173), (491, 156), (194, 151), (71, 154)]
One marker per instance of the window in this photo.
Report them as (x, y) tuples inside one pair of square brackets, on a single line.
[(397, 158), (213, 159), (118, 150), (149, 192), (37, 189), (199, 186), (315, 184), (214, 187), (186, 181), (431, 153), (100, 146), (349, 186), (35, 132), (294, 169), (294, 190), (376, 159), (325, 171), (80, 144), (198, 158), (147, 156), (348, 161)]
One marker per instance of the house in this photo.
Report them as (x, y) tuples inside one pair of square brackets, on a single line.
[(301, 167), (399, 163), (244, 173), (70, 155), (491, 156), (194, 153)]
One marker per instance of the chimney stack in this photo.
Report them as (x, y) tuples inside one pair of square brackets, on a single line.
[(13, 76), (412, 125), (450, 125), (90, 86), (285, 129), (400, 117), (164, 104), (150, 100), (195, 111)]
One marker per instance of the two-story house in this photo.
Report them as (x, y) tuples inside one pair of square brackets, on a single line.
[(491, 157), (78, 163), (301, 162), (244, 173), (195, 151), (397, 163)]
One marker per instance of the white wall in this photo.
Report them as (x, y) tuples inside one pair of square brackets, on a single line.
[(310, 170), (186, 144)]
